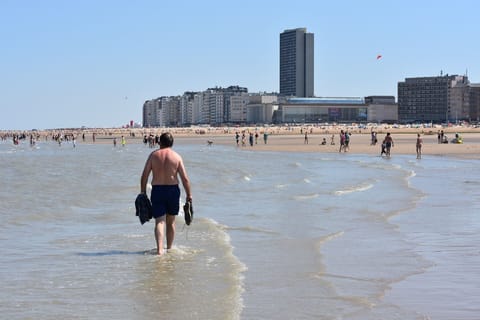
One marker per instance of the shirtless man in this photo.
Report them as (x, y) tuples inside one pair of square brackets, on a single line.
[(388, 143), (166, 165)]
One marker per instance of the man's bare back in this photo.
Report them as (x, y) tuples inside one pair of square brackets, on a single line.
[(165, 165)]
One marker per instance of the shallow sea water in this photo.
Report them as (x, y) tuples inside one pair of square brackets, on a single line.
[(275, 236)]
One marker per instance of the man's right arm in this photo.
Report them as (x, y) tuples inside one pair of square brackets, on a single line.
[(146, 172)]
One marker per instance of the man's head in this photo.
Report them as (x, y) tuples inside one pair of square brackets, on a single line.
[(166, 140)]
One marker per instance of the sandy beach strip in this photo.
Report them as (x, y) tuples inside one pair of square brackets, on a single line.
[(361, 144), (292, 139), (284, 139)]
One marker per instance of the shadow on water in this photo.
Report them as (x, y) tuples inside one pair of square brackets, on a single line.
[(112, 253)]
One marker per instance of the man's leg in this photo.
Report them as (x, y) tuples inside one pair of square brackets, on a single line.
[(159, 233), (170, 230)]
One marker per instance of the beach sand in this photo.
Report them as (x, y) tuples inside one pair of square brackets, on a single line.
[(360, 144), (291, 139)]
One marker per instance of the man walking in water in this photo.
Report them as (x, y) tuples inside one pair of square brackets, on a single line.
[(388, 143), (419, 146), (166, 165)]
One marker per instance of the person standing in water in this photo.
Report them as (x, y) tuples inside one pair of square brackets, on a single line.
[(419, 146), (388, 143), (166, 165)]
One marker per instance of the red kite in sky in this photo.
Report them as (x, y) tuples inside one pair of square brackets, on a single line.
[(379, 57)]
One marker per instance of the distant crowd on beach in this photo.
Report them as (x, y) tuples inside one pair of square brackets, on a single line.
[(344, 140), (332, 137), (60, 136), (309, 129), (252, 138)]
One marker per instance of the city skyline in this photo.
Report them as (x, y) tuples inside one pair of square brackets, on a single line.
[(94, 64)]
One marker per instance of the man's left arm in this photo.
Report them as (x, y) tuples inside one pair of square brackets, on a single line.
[(185, 180)]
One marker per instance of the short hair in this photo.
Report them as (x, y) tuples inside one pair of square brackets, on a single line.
[(166, 140)]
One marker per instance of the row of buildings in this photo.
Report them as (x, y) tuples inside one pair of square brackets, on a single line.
[(426, 99), (234, 105), (448, 98), (438, 99)]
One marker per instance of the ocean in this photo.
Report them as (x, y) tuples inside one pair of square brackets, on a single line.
[(274, 236)]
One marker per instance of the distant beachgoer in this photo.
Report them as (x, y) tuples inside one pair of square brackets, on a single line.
[(256, 137), (439, 137), (237, 138), (332, 140), (165, 165), (342, 141), (419, 146), (265, 137), (374, 138), (346, 147), (388, 144), (74, 141), (458, 138), (250, 139), (306, 138), (324, 141), (384, 148), (444, 138), (93, 136), (124, 142), (114, 141)]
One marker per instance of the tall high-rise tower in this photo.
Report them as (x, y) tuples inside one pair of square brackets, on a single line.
[(296, 63)]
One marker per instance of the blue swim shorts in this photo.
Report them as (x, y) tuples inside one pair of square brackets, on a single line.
[(165, 200)]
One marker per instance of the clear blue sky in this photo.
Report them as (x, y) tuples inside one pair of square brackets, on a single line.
[(94, 63)]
